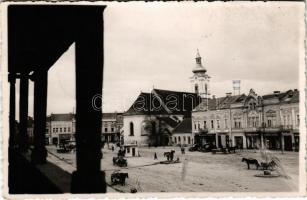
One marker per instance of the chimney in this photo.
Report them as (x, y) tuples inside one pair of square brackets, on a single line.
[(228, 94)]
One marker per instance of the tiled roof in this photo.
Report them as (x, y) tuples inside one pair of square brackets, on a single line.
[(220, 102), (173, 103), (62, 117), (184, 127), (141, 106), (290, 96)]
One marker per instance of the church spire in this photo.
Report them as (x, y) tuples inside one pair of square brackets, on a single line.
[(198, 58), (199, 67), (200, 80)]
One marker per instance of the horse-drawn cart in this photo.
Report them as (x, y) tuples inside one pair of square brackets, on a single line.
[(118, 177), (120, 161)]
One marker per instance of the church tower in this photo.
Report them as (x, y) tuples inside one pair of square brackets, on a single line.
[(200, 80)]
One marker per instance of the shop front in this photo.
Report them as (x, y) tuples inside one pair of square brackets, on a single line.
[(205, 138), (252, 140), (272, 141)]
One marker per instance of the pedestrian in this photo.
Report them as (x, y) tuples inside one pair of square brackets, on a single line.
[(155, 157), (182, 150)]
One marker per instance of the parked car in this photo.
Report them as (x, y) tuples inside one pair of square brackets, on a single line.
[(194, 147), (63, 148)]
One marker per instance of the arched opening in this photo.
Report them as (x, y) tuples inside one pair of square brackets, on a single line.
[(131, 129)]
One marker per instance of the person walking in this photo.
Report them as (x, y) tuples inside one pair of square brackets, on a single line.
[(155, 157), (182, 150)]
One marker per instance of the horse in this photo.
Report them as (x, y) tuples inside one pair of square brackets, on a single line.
[(169, 155), (250, 161), (232, 149)]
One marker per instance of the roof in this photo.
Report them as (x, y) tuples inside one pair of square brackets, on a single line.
[(290, 96), (36, 43), (110, 115), (184, 127), (220, 102), (164, 102), (62, 117), (169, 121)]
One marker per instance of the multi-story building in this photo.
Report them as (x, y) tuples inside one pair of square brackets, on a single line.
[(112, 124), (249, 121), (61, 127)]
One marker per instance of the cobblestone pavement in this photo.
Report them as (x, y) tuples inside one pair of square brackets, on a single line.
[(197, 172)]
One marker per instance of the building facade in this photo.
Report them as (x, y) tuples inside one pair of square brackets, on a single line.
[(61, 128), (182, 135), (153, 116), (249, 121), (112, 124)]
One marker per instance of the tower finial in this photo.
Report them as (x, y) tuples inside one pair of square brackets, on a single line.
[(197, 54)]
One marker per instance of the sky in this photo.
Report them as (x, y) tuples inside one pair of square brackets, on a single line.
[(153, 45)]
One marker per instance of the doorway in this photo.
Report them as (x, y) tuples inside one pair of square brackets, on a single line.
[(288, 142), (239, 142)]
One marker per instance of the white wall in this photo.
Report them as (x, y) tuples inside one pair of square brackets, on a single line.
[(182, 135), (137, 121)]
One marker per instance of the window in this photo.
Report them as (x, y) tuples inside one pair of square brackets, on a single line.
[(105, 129), (205, 124), (60, 130), (237, 122), (198, 126), (56, 130), (68, 129), (112, 129), (196, 89), (269, 123), (218, 123), (53, 130), (64, 129), (189, 140), (195, 126), (226, 123), (175, 140), (128, 149), (131, 129), (184, 138), (178, 139), (212, 124)]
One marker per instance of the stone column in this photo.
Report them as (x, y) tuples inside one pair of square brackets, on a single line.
[(12, 136), (23, 113), (88, 178), (39, 152)]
